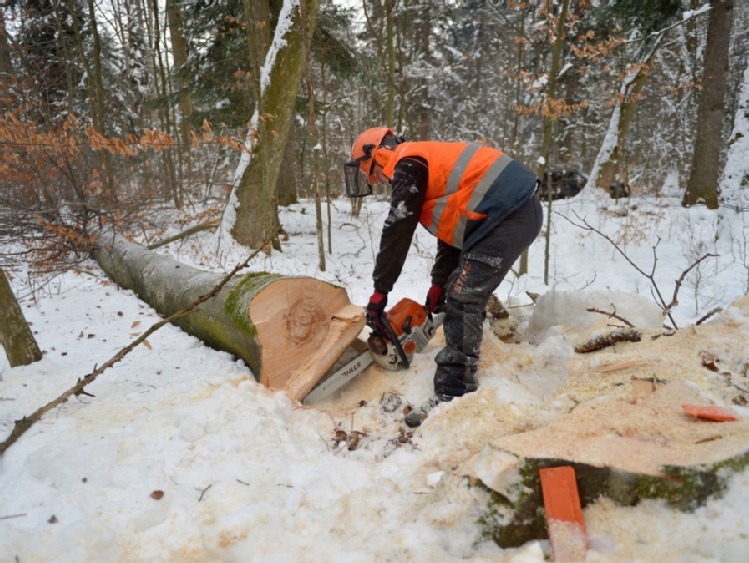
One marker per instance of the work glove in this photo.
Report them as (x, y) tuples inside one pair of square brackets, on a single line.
[(435, 298), (375, 309)]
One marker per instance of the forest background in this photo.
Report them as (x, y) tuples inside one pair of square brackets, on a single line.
[(113, 110)]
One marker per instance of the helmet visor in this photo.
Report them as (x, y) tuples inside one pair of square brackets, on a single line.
[(356, 183)]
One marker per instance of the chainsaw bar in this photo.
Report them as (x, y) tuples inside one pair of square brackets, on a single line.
[(340, 378), (404, 331)]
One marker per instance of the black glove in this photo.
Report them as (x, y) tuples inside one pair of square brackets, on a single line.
[(435, 298), (375, 309)]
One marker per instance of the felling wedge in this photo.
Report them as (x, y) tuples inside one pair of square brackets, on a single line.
[(399, 334)]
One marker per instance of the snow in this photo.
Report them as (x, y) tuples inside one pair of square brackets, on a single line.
[(736, 171), (248, 475)]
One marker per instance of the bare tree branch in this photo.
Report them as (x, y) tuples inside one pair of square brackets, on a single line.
[(611, 315), (184, 234), (657, 295)]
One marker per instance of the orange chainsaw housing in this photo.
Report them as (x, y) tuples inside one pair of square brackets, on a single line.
[(405, 314)]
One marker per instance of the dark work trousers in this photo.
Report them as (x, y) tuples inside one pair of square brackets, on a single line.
[(480, 271)]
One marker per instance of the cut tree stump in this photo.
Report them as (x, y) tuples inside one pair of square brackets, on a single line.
[(627, 448), (277, 324)]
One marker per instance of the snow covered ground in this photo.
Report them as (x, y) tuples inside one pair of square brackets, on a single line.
[(180, 455)]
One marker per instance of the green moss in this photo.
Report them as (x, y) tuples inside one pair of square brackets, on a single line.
[(219, 336), (687, 488), (516, 516), (241, 294)]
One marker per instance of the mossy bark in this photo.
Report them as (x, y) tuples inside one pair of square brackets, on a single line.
[(516, 516), (274, 323), (168, 286), (627, 447), (15, 335)]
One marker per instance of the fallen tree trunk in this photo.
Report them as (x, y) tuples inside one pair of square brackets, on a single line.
[(274, 323)]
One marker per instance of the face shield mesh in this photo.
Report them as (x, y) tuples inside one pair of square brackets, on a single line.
[(356, 182)]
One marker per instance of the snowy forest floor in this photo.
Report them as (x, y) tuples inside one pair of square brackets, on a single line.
[(179, 455)]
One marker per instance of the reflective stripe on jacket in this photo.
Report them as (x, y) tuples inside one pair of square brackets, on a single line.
[(471, 188)]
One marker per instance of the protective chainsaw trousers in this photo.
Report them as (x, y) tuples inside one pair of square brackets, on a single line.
[(480, 271)]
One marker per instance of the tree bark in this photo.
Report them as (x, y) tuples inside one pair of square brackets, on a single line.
[(549, 122), (255, 214), (705, 169), (627, 449), (610, 160), (273, 323), (180, 54), (15, 335)]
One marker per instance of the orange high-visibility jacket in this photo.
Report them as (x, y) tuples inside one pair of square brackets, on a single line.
[(471, 188)]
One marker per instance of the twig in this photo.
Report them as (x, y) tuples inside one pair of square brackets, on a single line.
[(608, 339), (203, 491), (184, 234), (9, 516), (612, 315), (657, 336), (708, 315), (21, 426), (731, 383), (660, 300)]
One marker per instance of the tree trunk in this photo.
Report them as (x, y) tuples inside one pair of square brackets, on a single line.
[(184, 98), (549, 128), (15, 335), (315, 142), (163, 88), (6, 66), (273, 323), (609, 158), (286, 183), (705, 170), (625, 448), (253, 218), (257, 18), (736, 172), (390, 50), (418, 106)]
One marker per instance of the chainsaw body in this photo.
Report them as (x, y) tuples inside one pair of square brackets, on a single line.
[(403, 331), (397, 335)]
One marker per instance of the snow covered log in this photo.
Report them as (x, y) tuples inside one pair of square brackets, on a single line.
[(626, 448), (274, 323)]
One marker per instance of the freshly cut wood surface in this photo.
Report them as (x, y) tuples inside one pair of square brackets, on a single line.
[(292, 317), (344, 327), (635, 434)]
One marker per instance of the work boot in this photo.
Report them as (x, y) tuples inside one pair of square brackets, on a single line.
[(417, 416)]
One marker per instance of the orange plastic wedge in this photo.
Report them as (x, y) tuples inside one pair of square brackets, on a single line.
[(717, 414), (564, 517)]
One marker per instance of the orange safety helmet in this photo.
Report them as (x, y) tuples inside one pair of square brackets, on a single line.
[(373, 146)]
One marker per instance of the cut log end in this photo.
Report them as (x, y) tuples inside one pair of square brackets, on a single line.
[(292, 317)]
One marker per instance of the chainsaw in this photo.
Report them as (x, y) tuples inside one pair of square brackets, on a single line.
[(396, 336)]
